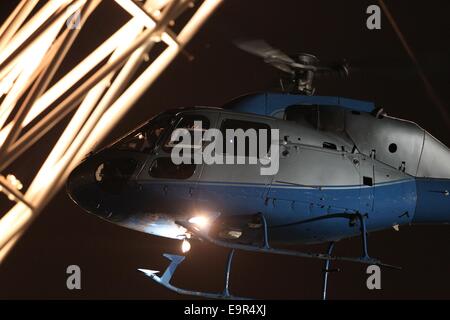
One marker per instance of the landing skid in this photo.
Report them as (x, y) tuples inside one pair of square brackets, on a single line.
[(265, 248), (175, 261)]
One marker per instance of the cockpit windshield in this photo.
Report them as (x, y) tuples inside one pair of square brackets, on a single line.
[(146, 137)]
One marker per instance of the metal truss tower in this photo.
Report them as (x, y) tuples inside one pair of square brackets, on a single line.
[(96, 93)]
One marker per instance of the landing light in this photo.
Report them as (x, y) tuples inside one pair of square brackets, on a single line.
[(200, 221), (185, 246)]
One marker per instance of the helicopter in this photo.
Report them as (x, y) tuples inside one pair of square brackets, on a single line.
[(344, 169)]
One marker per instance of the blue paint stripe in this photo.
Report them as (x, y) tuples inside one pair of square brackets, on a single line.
[(276, 185)]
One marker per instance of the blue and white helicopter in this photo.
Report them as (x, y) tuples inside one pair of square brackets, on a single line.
[(345, 169)]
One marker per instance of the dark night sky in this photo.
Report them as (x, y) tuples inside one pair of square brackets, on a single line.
[(109, 255)]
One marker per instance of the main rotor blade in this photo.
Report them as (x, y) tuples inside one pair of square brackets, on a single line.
[(272, 56), (264, 50)]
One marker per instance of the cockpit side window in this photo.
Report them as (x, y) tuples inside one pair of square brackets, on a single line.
[(231, 147), (191, 122), (145, 138), (164, 168)]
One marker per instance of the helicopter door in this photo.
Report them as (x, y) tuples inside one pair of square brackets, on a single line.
[(312, 182), (367, 182), (234, 188)]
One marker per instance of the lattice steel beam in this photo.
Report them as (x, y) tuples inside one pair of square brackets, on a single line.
[(33, 44)]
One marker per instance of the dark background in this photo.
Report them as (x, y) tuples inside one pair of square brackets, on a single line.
[(109, 255)]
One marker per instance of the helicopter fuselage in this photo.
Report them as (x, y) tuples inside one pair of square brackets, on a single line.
[(336, 157)]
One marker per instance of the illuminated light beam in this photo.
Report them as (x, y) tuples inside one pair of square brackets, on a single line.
[(72, 101), (12, 223), (7, 83), (112, 93), (35, 22), (15, 20), (130, 96), (34, 54), (136, 11), (157, 4), (93, 96), (31, 33), (16, 57), (146, 19), (55, 55), (81, 70), (5, 86), (5, 132), (134, 92), (14, 16), (75, 150), (8, 246), (194, 24), (6, 185), (20, 216), (69, 158), (50, 178), (76, 74), (76, 129)]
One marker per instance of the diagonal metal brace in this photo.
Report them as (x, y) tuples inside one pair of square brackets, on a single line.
[(4, 184)]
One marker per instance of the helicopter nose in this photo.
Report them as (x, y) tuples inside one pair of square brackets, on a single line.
[(82, 187), (99, 185)]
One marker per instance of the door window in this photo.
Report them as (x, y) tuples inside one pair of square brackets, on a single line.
[(164, 168), (232, 144)]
